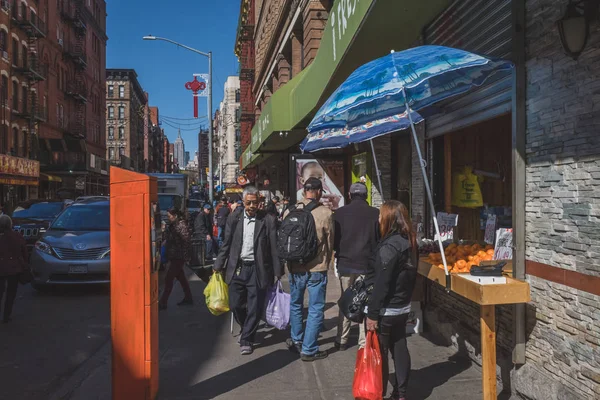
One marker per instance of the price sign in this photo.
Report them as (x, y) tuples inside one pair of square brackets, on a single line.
[(503, 249), (446, 223), (490, 229)]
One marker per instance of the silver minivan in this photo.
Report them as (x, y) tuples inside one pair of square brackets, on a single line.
[(76, 247)]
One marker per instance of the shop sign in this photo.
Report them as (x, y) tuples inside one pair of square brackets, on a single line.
[(19, 166), (18, 182), (490, 229), (446, 223), (330, 172), (344, 22), (504, 244)]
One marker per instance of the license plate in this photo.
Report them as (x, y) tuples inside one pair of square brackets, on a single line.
[(78, 269)]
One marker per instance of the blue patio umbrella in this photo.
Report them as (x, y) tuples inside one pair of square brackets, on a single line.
[(393, 93)]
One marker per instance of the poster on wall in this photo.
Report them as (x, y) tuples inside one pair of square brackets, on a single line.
[(361, 172), (330, 172)]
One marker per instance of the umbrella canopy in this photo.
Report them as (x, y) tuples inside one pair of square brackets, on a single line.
[(372, 101)]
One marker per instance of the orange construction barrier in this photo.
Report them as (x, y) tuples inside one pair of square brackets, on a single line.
[(135, 257)]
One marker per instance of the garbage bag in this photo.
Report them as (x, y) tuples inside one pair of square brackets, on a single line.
[(216, 294), (368, 373), (277, 312)]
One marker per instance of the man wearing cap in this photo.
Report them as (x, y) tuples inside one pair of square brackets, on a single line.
[(356, 237), (203, 229), (311, 276)]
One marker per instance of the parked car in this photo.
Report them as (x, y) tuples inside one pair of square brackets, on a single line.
[(33, 217), (93, 198), (76, 247)]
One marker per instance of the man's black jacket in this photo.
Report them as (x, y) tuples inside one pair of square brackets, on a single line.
[(203, 225), (266, 258), (356, 237)]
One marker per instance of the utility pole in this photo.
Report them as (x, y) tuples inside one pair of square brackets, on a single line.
[(210, 129)]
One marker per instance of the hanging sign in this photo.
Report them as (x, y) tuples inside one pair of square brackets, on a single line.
[(490, 229), (203, 92), (446, 223), (195, 86)]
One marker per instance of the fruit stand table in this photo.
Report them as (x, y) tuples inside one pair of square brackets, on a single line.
[(487, 296)]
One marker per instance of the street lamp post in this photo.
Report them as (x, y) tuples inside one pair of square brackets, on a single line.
[(210, 114)]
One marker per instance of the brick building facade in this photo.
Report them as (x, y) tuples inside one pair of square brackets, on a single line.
[(125, 115), (53, 55)]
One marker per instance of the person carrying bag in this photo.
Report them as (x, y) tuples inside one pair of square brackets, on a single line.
[(277, 312), (368, 375), (393, 276)]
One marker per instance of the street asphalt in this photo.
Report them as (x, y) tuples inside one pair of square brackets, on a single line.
[(58, 348)]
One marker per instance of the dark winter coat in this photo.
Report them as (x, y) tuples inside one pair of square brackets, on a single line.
[(393, 275), (13, 254)]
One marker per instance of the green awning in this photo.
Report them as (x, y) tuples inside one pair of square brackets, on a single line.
[(356, 33)]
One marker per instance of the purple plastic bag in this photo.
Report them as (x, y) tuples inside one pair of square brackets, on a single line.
[(277, 313)]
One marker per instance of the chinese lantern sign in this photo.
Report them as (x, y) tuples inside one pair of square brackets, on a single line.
[(196, 86)]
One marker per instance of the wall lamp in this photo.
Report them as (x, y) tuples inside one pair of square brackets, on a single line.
[(574, 26)]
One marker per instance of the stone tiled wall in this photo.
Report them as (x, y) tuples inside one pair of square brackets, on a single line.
[(562, 209), (562, 224)]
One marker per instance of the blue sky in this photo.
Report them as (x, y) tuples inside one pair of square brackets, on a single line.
[(163, 68)]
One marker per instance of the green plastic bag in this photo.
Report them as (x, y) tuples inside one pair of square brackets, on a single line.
[(465, 189), (217, 295)]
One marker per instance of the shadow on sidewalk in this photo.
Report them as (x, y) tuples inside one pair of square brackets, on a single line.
[(423, 381), (239, 376)]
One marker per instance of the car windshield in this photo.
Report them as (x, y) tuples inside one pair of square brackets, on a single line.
[(195, 204), (83, 218), (166, 202), (38, 210)]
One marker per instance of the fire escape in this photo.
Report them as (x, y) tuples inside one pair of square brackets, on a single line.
[(29, 67), (75, 51), (246, 58)]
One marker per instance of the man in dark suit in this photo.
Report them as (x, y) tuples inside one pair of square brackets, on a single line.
[(250, 260)]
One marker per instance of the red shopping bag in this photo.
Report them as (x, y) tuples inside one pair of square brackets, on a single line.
[(368, 374)]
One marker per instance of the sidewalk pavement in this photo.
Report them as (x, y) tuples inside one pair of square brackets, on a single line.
[(200, 359)]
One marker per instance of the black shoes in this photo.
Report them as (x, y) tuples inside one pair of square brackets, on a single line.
[(341, 346), (319, 355), (186, 302), (294, 347)]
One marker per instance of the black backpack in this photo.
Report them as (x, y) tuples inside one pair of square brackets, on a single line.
[(297, 237)]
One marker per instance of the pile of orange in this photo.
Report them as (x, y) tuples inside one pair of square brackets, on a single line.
[(460, 258)]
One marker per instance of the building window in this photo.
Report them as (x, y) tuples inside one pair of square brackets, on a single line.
[(111, 153), (121, 112), (15, 95), (61, 115), (237, 95), (121, 151), (3, 139), (238, 113), (15, 52), (24, 56), (4, 90), (121, 132), (25, 99), (111, 112), (111, 91), (25, 144), (15, 143), (3, 41), (111, 132), (121, 91)]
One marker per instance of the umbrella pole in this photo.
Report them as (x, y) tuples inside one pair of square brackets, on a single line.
[(377, 170), (429, 196)]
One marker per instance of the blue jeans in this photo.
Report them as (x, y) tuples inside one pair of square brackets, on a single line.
[(316, 283), (221, 235)]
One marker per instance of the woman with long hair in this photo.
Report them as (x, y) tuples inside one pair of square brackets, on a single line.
[(13, 262), (393, 276), (177, 237)]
